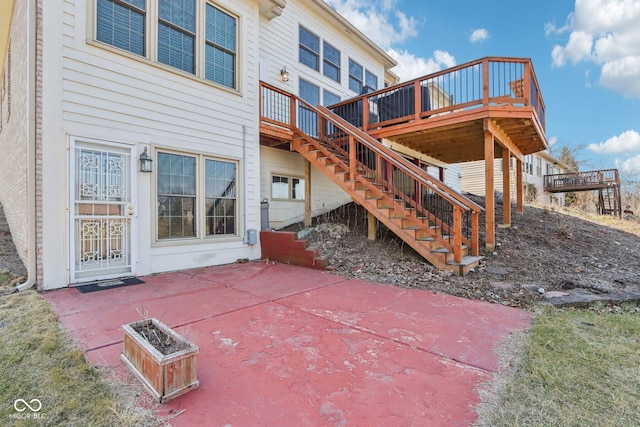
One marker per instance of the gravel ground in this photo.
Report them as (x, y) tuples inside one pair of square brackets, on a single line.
[(542, 250)]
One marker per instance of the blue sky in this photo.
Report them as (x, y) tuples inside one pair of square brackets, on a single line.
[(586, 54)]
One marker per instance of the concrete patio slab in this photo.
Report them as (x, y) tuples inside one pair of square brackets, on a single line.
[(284, 345)]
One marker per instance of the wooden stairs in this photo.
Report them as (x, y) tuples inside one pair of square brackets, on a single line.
[(438, 223)]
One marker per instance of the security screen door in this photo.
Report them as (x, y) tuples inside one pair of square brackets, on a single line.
[(103, 212)]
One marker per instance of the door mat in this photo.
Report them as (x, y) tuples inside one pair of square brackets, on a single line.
[(108, 284)]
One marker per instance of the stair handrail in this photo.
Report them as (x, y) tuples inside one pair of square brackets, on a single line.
[(408, 167)]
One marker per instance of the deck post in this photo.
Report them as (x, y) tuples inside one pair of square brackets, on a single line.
[(490, 198), (519, 188), (371, 222), (506, 187), (307, 193)]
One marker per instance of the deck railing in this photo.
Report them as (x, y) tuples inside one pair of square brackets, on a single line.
[(582, 180), (485, 82), (452, 215)]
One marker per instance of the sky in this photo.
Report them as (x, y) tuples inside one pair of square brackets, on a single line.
[(586, 55)]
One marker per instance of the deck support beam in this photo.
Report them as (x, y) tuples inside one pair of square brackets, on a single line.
[(490, 198), (307, 193), (506, 187), (519, 188), (371, 222)]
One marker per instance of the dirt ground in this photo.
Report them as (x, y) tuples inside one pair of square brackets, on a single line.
[(544, 250)]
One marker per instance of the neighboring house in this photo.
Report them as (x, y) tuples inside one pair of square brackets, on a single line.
[(534, 167), (134, 133)]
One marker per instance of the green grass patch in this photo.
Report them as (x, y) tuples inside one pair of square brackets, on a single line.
[(579, 368), (39, 361)]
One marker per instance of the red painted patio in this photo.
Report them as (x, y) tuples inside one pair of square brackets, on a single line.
[(284, 345)]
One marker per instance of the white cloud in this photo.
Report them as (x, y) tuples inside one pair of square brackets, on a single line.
[(479, 35), (553, 141), (626, 142), (630, 166), (387, 27), (605, 32), (375, 20), (550, 27), (410, 66)]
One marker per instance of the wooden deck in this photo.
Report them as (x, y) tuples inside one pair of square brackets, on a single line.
[(582, 181), (445, 115), (482, 110)]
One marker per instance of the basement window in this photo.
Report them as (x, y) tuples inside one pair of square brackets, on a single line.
[(287, 188)]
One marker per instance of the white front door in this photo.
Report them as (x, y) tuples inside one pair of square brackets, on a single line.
[(103, 211)]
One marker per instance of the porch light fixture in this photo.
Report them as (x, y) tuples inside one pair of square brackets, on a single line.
[(145, 161), (284, 74)]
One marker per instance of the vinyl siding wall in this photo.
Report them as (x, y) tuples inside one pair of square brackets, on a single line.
[(473, 180), (104, 94)]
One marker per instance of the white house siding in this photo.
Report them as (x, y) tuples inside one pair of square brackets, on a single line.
[(14, 128), (325, 195), (95, 92), (279, 45), (473, 179)]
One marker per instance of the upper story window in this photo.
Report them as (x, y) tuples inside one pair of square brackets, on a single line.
[(220, 47), (331, 62), (309, 49), (370, 81), (355, 76), (177, 33), (208, 51), (121, 23)]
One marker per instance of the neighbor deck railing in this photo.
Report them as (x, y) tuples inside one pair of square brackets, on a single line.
[(582, 180)]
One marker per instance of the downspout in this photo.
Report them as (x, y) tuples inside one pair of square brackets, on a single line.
[(245, 239), (31, 154)]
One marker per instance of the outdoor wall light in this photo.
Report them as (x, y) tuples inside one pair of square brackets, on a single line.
[(284, 74), (145, 161)]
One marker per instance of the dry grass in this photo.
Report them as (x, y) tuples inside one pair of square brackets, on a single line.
[(39, 361), (579, 368)]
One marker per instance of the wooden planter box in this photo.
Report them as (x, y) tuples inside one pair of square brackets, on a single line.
[(165, 376)]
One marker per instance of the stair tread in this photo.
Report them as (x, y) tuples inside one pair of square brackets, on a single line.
[(466, 260)]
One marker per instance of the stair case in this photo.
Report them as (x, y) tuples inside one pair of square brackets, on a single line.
[(609, 201), (437, 222)]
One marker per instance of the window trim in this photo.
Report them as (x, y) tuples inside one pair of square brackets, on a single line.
[(151, 43), (290, 187), (200, 201)]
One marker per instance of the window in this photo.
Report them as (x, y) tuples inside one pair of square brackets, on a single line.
[(308, 119), (121, 23), (309, 49), (355, 76), (538, 166), (287, 188), (331, 62), (329, 98), (371, 81), (220, 47), (208, 51), (180, 198), (220, 197), (176, 33), (176, 196)]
